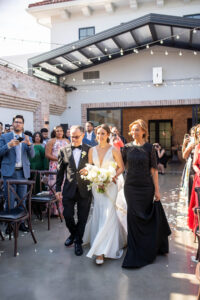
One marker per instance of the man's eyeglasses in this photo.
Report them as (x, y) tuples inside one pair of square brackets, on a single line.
[(17, 122), (76, 137)]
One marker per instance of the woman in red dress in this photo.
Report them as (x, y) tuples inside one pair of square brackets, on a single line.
[(192, 217)]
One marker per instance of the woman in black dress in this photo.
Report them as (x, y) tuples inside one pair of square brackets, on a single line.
[(148, 229)]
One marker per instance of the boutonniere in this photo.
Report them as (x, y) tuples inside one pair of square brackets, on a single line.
[(83, 154)]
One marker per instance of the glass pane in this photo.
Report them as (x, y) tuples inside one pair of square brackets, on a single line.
[(111, 117)]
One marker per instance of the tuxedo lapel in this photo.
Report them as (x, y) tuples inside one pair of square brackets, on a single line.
[(82, 158), (71, 157)]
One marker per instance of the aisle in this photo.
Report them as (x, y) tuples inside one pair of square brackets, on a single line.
[(50, 271)]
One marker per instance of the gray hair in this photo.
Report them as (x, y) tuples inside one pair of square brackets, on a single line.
[(75, 127)]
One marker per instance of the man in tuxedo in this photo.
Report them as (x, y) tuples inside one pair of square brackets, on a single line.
[(71, 159), (15, 150), (90, 137)]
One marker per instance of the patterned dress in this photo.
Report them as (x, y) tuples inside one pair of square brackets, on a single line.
[(53, 167)]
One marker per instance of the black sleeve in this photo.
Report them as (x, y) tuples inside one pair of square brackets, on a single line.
[(153, 158), (124, 154), (60, 171)]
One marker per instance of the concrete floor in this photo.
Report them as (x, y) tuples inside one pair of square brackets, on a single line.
[(49, 271)]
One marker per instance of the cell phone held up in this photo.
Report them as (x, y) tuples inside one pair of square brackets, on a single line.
[(20, 139)]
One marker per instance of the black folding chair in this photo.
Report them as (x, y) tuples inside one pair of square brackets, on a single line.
[(48, 196), (22, 211)]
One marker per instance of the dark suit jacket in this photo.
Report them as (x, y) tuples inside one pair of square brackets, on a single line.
[(66, 166)]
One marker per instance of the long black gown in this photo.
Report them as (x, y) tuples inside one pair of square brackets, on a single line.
[(148, 229)]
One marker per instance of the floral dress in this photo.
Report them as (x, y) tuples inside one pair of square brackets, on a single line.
[(53, 167)]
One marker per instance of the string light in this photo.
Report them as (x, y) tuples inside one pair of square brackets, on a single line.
[(121, 51)]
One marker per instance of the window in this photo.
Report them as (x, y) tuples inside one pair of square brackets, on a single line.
[(111, 117), (85, 32)]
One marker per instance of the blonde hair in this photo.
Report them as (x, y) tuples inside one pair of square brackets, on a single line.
[(197, 139), (143, 125)]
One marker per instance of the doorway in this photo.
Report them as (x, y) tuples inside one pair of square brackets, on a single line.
[(160, 131)]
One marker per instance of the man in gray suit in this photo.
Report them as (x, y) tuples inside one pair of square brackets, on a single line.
[(15, 151)]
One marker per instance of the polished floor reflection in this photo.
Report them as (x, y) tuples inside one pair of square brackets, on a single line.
[(48, 270)]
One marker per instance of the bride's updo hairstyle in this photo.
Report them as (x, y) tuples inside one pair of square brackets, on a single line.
[(106, 128), (143, 125)]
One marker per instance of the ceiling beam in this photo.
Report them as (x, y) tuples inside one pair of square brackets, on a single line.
[(133, 4), (87, 11), (110, 8)]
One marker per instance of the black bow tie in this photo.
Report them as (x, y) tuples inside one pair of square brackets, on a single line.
[(78, 147)]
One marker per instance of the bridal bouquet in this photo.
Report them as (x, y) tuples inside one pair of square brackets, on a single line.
[(99, 178)]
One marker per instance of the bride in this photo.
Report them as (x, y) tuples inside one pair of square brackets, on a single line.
[(103, 231)]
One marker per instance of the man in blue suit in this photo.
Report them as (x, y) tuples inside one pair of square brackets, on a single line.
[(15, 151), (90, 137)]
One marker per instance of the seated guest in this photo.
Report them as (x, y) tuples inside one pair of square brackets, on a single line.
[(90, 137), (15, 150)]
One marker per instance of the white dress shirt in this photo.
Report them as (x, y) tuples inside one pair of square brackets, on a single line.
[(77, 156), (89, 135)]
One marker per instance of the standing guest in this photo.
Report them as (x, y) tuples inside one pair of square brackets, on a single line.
[(72, 159), (68, 135), (45, 132), (29, 133), (115, 130), (15, 150), (161, 158), (192, 218), (1, 128), (39, 161), (115, 139), (90, 137), (52, 149), (7, 128), (148, 229), (189, 144)]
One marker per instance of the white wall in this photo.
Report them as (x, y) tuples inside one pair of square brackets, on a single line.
[(136, 68), (65, 32), (54, 121), (7, 114)]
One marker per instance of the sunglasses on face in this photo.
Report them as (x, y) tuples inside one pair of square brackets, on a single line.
[(76, 137)]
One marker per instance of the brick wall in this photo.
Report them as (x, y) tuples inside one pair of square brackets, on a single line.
[(178, 115), (21, 91)]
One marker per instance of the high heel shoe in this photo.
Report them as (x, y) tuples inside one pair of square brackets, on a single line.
[(99, 261)]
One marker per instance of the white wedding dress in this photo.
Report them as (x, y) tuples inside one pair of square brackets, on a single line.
[(104, 231)]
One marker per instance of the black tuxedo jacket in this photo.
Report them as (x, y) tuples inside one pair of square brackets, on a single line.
[(66, 166)]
